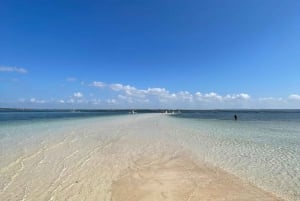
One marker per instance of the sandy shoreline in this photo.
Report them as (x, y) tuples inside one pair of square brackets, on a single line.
[(124, 158)]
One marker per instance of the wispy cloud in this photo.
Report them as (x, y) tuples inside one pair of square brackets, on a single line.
[(13, 69), (78, 95), (117, 95), (34, 100), (111, 101), (119, 87), (162, 96), (212, 96), (294, 97), (97, 84), (71, 79)]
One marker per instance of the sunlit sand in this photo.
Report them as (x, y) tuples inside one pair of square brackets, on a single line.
[(180, 178)]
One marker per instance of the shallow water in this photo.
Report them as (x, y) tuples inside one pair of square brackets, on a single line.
[(79, 158), (72, 159), (263, 150)]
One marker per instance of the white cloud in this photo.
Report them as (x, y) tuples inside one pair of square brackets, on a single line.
[(95, 101), (22, 100), (34, 100), (294, 97), (98, 84), (71, 100), (116, 87), (111, 101), (131, 94), (122, 97), (71, 79), (212, 96), (241, 96), (157, 91), (126, 96), (270, 99), (156, 95), (185, 96), (12, 69), (78, 95), (128, 90)]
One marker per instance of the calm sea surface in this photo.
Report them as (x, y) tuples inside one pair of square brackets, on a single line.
[(261, 146), (7, 116)]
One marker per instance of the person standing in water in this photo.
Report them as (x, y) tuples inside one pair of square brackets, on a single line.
[(235, 117)]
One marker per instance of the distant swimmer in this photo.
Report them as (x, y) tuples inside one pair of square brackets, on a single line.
[(235, 117)]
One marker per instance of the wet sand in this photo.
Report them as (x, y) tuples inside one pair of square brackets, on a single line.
[(180, 178), (127, 158)]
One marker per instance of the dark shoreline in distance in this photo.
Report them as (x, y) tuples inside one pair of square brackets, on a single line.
[(144, 110), (86, 110)]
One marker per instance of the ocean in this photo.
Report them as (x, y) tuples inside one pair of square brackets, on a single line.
[(261, 146), (8, 116)]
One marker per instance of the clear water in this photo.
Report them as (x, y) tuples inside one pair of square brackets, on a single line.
[(261, 146), (23, 133), (7, 116)]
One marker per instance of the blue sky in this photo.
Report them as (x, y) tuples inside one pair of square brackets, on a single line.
[(150, 54)]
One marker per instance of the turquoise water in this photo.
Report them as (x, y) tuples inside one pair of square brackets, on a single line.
[(262, 147), (23, 133), (7, 115)]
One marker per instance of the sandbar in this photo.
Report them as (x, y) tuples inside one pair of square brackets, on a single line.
[(125, 158)]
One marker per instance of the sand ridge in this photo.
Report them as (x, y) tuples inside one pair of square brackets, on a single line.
[(180, 178)]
